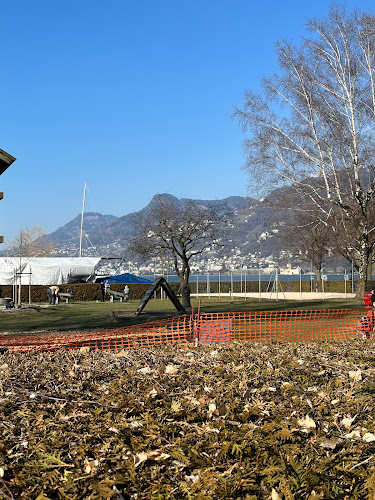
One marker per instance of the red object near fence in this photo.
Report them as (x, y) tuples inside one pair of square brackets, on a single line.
[(287, 326), (366, 325), (367, 299)]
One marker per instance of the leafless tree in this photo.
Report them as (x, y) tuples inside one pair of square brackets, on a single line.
[(346, 242), (313, 124), (180, 230), (30, 242), (306, 237)]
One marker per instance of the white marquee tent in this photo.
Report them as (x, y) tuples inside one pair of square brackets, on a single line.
[(48, 270)]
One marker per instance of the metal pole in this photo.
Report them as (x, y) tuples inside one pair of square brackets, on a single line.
[(352, 277), (245, 284), (197, 285), (19, 291), (231, 285), (300, 284), (277, 285), (219, 285), (20, 284), (345, 282), (260, 288), (83, 211), (208, 285)]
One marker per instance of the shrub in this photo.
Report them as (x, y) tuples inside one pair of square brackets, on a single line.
[(81, 291)]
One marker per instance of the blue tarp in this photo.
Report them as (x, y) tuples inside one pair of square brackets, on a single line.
[(124, 278)]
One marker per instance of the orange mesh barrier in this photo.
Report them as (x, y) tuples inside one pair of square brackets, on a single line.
[(288, 326), (143, 335)]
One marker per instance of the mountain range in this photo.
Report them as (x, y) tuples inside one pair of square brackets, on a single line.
[(250, 231)]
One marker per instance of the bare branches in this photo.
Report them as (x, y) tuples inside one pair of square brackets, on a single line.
[(313, 127), (181, 230), (30, 242)]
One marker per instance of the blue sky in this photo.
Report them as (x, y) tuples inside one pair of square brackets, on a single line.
[(133, 98)]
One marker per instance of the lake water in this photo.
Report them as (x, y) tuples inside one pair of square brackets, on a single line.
[(225, 278)]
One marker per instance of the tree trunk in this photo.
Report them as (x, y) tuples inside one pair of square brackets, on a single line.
[(318, 284), (185, 294), (183, 275), (362, 268), (319, 274), (369, 266)]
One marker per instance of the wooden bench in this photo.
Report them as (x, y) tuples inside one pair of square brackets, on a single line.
[(64, 296), (5, 300), (113, 295)]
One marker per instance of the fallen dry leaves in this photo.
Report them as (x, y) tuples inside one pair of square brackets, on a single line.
[(241, 420)]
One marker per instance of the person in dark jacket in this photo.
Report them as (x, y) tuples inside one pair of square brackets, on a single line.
[(101, 291)]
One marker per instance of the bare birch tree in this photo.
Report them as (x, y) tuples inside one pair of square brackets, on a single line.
[(313, 124), (181, 231), (30, 242)]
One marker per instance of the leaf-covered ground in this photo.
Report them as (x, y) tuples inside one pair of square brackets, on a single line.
[(241, 420)]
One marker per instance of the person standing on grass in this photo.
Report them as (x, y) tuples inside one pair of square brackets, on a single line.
[(50, 296), (373, 298), (101, 291), (126, 292), (52, 293)]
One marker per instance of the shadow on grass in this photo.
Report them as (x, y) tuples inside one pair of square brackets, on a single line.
[(86, 316), (281, 305)]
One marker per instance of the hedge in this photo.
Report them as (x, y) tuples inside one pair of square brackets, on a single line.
[(81, 291), (286, 286), (90, 291)]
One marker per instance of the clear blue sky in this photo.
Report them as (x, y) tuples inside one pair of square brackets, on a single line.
[(133, 97)]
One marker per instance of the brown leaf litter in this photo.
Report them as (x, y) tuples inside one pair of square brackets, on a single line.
[(240, 420)]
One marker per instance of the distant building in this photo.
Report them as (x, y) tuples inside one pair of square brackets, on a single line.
[(5, 161)]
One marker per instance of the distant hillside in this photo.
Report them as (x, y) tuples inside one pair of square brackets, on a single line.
[(70, 232), (251, 231)]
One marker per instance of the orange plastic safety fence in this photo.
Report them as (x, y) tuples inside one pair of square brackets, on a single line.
[(289, 326), (143, 335)]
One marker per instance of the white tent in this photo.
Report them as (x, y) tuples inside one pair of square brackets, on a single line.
[(48, 270)]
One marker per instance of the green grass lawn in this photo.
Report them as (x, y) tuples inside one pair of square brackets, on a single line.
[(93, 315)]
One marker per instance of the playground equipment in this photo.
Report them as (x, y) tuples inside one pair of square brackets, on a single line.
[(162, 283)]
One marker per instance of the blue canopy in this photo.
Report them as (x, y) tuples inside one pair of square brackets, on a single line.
[(124, 278)]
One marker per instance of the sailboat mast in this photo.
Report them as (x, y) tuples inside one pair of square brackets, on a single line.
[(83, 211)]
